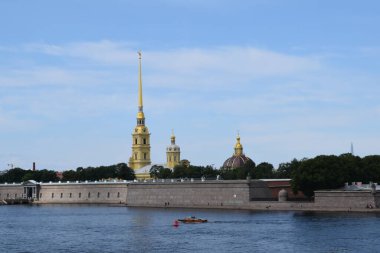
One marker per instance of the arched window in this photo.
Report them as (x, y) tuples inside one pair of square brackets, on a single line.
[(136, 141), (144, 140)]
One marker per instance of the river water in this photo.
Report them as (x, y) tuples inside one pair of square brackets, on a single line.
[(84, 228)]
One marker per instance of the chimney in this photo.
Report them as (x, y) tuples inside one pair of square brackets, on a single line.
[(34, 166)]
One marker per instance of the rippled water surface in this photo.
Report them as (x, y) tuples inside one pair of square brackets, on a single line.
[(81, 228)]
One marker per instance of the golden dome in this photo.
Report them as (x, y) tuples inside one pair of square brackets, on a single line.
[(238, 147), (140, 115)]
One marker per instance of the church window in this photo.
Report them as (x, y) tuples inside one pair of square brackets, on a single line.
[(136, 141), (144, 141)]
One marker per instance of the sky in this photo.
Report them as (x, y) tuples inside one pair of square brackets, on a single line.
[(296, 78)]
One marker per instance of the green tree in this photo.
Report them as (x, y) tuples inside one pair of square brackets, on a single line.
[(285, 170), (321, 172), (263, 170), (70, 175), (370, 169), (125, 172)]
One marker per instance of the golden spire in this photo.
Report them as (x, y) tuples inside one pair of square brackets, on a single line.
[(238, 147), (172, 138), (140, 85), (140, 114)]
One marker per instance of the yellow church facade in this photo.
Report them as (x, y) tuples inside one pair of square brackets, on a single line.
[(140, 159), (140, 137)]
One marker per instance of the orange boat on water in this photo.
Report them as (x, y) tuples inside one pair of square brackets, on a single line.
[(192, 219)]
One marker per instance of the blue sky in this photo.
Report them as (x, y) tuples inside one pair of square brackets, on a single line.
[(296, 78)]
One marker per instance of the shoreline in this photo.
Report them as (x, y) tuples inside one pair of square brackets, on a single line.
[(271, 206)]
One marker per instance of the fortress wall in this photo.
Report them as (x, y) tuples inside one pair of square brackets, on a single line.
[(10, 191), (259, 191), (189, 194), (345, 199), (90, 193)]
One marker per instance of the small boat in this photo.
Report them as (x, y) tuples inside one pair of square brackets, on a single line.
[(192, 219)]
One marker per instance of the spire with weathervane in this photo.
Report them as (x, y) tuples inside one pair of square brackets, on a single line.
[(141, 136), (238, 147)]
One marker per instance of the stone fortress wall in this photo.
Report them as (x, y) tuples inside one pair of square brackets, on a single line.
[(71, 192), (84, 193), (234, 194), (10, 191), (347, 199), (189, 194)]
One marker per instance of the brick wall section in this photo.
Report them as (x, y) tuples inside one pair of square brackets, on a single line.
[(86, 193), (346, 199), (189, 194)]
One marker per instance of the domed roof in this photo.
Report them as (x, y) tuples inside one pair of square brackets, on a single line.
[(237, 161), (173, 146)]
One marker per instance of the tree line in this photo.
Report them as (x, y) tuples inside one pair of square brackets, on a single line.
[(120, 171), (307, 175)]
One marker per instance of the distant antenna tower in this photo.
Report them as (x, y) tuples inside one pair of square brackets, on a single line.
[(352, 148)]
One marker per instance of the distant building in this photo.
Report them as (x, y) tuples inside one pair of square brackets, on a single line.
[(173, 153), (140, 137), (59, 175), (238, 159)]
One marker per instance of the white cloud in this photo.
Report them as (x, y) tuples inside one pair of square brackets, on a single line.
[(284, 104)]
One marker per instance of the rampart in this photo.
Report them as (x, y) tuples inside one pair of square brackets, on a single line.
[(347, 199), (84, 193), (189, 194), (10, 191), (114, 192), (226, 194)]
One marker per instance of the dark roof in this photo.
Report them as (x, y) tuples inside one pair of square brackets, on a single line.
[(236, 161)]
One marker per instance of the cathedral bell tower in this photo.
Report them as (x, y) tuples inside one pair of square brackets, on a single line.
[(140, 136), (173, 153)]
